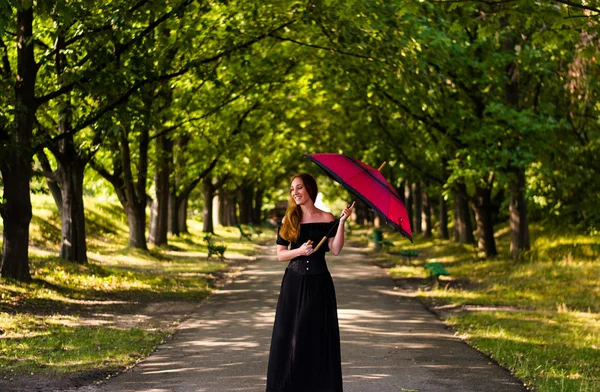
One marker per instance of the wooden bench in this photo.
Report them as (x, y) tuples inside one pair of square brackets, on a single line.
[(436, 270)]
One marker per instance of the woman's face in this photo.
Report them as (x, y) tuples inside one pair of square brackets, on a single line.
[(298, 191)]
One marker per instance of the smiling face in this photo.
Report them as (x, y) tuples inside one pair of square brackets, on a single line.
[(298, 191)]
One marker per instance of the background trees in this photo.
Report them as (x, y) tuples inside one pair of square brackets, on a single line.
[(486, 109)]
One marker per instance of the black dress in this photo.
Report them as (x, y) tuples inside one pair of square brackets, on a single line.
[(305, 346)]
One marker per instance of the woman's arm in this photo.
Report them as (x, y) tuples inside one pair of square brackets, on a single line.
[(285, 254), (336, 244)]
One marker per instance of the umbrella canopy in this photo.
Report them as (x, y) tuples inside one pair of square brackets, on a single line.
[(367, 184)]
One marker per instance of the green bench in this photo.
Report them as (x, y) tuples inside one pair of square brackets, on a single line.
[(243, 234), (379, 242), (214, 248), (409, 253), (436, 270), (254, 230)]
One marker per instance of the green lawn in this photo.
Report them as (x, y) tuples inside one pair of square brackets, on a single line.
[(538, 316), (77, 318)]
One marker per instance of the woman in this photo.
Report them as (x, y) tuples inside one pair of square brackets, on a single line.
[(305, 346)]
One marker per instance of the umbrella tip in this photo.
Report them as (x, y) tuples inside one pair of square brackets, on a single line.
[(381, 167)]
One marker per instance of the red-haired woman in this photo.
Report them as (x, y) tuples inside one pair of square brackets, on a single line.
[(305, 346)]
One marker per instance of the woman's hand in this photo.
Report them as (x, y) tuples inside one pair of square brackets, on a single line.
[(347, 212), (306, 249)]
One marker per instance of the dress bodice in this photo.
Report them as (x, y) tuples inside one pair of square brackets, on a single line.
[(314, 231)]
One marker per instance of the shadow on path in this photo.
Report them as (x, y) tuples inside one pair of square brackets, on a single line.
[(390, 343)]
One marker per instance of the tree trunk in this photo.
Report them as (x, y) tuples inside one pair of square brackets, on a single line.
[(159, 235), (426, 214), (485, 225), (136, 217), (418, 208), (457, 218), (152, 230), (245, 196), (401, 193), (208, 193), (257, 207), (519, 225), (229, 209), (17, 216), (443, 233), (462, 218), (178, 154), (377, 222), (69, 174), (51, 180), (182, 216), (16, 164), (408, 196), (233, 211), (222, 204), (173, 217), (359, 212), (135, 192)]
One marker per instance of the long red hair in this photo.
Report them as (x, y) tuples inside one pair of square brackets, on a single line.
[(290, 228)]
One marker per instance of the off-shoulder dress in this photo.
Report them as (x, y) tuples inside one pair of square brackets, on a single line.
[(305, 346)]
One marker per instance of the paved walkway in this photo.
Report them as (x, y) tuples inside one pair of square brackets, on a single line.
[(390, 343)]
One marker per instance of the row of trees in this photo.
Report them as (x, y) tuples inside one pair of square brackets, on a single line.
[(490, 105), (485, 105)]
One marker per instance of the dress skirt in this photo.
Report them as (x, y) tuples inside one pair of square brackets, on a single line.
[(305, 346)]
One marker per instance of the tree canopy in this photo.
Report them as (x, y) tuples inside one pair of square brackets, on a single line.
[(495, 103)]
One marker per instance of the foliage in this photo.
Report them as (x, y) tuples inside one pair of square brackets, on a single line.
[(449, 93)]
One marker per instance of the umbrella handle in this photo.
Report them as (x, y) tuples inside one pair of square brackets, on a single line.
[(319, 244)]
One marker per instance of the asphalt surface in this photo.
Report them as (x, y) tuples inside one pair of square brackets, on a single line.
[(389, 342)]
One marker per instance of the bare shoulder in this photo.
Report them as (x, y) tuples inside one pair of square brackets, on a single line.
[(329, 216)]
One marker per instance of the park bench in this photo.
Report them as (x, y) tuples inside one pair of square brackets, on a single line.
[(214, 248), (436, 270), (408, 253), (243, 234), (380, 242), (254, 230)]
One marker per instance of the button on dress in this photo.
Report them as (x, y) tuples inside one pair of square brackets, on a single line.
[(305, 346)]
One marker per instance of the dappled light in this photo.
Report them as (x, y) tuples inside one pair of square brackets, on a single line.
[(384, 337), (538, 315)]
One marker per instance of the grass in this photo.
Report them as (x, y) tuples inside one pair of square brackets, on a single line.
[(47, 344), (81, 318), (538, 316)]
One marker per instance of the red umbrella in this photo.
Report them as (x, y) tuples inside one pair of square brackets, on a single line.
[(369, 185)]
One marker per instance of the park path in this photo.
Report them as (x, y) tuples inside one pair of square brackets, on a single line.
[(390, 342)]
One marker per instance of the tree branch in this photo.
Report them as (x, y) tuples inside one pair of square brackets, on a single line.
[(93, 118), (332, 50), (577, 5), (139, 4), (116, 181), (405, 157), (118, 52), (5, 62), (187, 190), (240, 46)]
